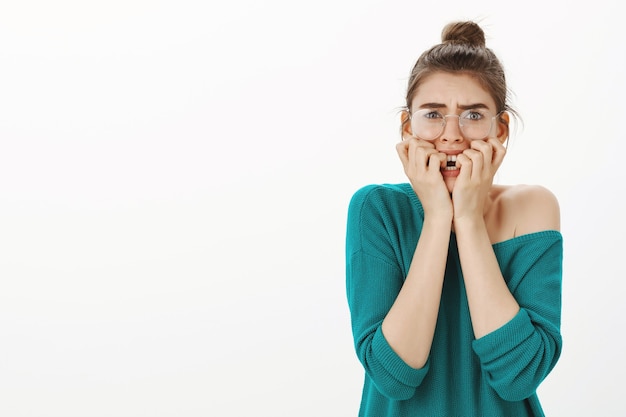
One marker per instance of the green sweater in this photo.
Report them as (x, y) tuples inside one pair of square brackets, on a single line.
[(496, 375)]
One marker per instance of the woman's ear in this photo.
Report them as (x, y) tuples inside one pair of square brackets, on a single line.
[(405, 125), (503, 127)]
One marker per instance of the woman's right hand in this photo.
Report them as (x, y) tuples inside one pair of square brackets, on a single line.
[(422, 165)]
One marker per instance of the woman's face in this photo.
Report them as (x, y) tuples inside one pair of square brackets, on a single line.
[(452, 95)]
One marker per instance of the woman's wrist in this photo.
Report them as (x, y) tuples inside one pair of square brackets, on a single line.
[(469, 224), (438, 219)]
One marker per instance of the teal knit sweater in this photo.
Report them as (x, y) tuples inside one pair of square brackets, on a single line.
[(496, 375)]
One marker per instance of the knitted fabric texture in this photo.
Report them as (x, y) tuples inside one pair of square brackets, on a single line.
[(496, 375)]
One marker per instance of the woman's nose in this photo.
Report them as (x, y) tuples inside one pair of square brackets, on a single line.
[(452, 129)]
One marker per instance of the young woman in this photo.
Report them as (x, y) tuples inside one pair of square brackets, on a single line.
[(453, 282)]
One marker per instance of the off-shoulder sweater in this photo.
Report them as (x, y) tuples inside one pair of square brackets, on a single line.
[(495, 375)]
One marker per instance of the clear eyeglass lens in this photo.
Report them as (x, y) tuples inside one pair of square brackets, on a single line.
[(429, 124)]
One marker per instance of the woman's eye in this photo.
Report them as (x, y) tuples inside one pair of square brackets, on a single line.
[(433, 115), (473, 115)]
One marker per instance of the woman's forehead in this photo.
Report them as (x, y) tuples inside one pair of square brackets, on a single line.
[(452, 90)]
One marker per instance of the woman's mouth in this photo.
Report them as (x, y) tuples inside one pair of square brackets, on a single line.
[(450, 163)]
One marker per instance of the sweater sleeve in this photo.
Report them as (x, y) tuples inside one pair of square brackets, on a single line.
[(373, 280), (518, 356)]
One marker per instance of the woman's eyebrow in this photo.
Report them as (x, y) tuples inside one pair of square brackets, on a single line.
[(473, 106), (432, 106)]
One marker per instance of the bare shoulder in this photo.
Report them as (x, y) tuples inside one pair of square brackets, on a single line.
[(530, 208)]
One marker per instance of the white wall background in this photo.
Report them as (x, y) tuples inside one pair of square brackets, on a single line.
[(174, 178)]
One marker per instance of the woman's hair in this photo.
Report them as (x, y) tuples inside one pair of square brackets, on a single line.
[(462, 51)]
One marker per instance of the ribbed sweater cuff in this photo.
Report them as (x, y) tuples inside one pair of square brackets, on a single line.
[(393, 364), (504, 339)]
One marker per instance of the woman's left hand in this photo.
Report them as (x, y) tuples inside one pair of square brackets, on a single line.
[(478, 165)]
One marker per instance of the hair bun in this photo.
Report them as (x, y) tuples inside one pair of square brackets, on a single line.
[(463, 32)]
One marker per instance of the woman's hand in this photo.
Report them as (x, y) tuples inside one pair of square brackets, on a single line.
[(422, 165), (478, 166)]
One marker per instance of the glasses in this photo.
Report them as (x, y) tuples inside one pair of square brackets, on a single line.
[(475, 124)]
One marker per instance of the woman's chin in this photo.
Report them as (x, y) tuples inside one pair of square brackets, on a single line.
[(449, 181)]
